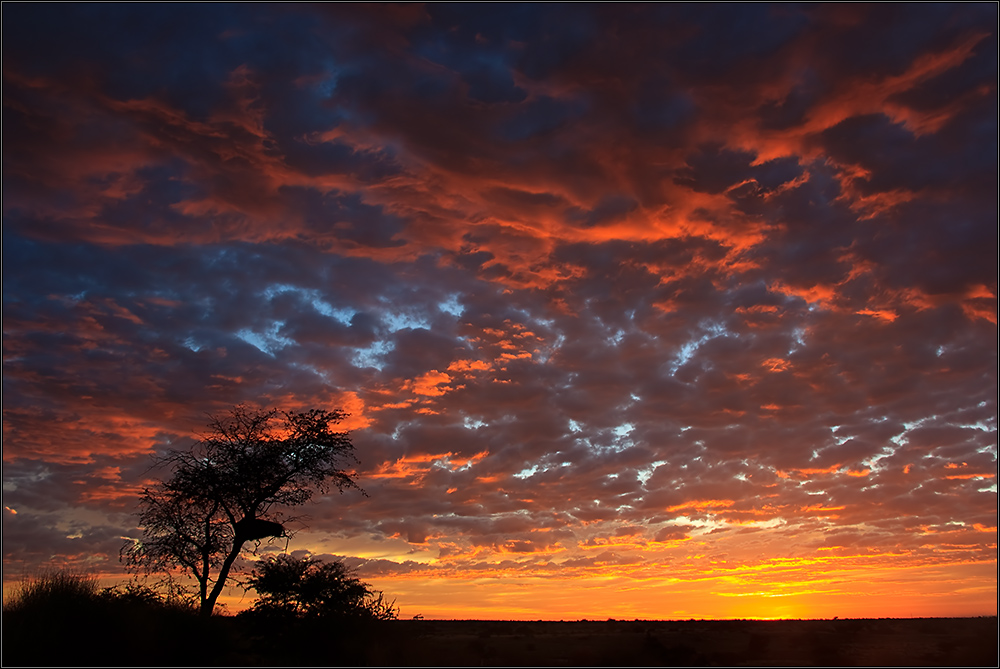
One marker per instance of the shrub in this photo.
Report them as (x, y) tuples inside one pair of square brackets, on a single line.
[(309, 588), (65, 619)]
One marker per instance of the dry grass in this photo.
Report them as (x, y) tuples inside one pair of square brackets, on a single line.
[(51, 592)]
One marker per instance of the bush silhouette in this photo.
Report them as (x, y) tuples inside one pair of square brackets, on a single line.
[(67, 619), (290, 587)]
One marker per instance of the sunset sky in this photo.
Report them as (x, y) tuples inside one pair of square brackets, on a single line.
[(646, 311)]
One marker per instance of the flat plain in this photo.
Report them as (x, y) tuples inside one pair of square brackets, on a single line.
[(143, 637), (854, 642)]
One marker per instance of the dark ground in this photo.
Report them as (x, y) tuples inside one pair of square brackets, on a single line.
[(226, 641), (914, 642)]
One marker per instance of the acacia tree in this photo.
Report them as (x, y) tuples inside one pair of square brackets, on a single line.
[(227, 490)]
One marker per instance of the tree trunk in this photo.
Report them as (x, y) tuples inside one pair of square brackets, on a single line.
[(205, 566), (208, 605), (203, 576), (203, 589)]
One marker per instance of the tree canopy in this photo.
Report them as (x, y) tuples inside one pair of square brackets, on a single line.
[(230, 487), (308, 588)]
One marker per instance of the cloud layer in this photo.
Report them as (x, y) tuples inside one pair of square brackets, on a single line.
[(697, 298)]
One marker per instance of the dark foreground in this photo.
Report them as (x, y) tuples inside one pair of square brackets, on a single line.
[(917, 642), (226, 641)]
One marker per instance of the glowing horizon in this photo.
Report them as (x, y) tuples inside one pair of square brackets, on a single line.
[(654, 311)]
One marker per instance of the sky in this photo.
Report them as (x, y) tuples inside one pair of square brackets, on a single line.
[(656, 311)]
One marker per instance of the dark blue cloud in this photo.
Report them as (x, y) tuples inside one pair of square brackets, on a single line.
[(878, 50), (726, 35), (540, 117), (715, 170)]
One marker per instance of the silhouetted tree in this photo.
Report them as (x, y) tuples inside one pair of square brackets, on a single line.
[(306, 588), (225, 490)]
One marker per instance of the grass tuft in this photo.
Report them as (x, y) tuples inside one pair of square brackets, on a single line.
[(51, 592)]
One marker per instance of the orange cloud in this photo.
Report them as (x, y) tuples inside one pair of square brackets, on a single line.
[(775, 364), (469, 366), (881, 314), (701, 505), (428, 384)]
